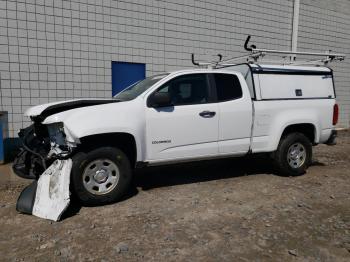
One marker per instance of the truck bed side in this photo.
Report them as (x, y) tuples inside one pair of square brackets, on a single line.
[(273, 117)]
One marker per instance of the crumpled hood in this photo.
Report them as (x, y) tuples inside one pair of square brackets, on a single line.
[(45, 110)]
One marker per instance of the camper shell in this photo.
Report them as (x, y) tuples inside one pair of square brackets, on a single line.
[(299, 82)]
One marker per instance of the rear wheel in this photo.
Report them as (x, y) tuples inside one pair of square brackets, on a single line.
[(100, 176), (293, 155)]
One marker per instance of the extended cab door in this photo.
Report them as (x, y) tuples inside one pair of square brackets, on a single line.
[(235, 113), (189, 127)]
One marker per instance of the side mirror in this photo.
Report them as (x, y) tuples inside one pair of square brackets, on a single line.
[(160, 100)]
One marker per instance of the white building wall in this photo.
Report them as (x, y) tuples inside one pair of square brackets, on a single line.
[(325, 25), (55, 50)]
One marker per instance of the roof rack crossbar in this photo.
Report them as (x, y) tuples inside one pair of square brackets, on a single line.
[(298, 53), (256, 53)]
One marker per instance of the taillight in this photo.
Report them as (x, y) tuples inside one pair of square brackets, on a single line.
[(335, 114)]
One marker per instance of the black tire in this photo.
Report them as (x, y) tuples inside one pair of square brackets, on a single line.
[(281, 160), (80, 162)]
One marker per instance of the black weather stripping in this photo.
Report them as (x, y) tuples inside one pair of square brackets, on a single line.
[(281, 71)]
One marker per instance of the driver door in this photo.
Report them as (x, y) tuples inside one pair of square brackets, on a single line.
[(189, 127)]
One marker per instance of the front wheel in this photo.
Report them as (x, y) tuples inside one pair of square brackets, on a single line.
[(100, 176), (293, 155)]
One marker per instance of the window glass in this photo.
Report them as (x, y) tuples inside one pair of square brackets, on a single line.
[(138, 88), (187, 89), (245, 70), (227, 87)]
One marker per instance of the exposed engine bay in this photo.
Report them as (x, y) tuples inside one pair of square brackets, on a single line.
[(42, 145)]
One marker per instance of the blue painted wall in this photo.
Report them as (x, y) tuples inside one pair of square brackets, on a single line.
[(124, 74)]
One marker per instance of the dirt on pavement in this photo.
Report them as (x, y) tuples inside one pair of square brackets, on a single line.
[(223, 210)]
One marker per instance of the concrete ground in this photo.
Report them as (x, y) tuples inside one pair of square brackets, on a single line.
[(224, 210)]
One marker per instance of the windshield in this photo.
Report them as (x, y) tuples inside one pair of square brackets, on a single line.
[(138, 88)]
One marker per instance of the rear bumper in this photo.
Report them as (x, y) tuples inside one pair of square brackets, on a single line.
[(332, 138)]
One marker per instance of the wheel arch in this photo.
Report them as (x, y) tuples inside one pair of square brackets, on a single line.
[(308, 129), (124, 141)]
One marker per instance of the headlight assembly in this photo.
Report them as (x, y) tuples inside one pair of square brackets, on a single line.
[(56, 133)]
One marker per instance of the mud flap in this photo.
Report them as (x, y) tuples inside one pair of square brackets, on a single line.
[(49, 196)]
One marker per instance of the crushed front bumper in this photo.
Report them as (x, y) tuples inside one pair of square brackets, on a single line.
[(49, 164), (48, 197)]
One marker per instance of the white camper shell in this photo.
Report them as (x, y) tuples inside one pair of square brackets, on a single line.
[(285, 82)]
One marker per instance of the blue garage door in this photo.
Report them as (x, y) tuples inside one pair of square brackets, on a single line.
[(124, 74)]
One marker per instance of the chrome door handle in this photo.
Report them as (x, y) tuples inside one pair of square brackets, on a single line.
[(207, 114)]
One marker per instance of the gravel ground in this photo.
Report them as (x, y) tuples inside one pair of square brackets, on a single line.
[(227, 210)]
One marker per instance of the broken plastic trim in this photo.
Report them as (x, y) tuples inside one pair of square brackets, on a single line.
[(48, 197), (25, 201)]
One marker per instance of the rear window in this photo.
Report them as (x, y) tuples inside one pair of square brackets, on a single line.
[(245, 70), (227, 87)]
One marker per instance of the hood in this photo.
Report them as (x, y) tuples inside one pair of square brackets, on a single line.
[(123, 117), (42, 111)]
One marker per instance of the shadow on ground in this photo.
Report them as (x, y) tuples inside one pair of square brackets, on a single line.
[(317, 163), (75, 206), (179, 174), (194, 172)]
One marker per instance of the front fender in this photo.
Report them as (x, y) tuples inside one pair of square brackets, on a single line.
[(108, 118)]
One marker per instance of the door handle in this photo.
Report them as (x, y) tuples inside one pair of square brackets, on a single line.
[(207, 114)]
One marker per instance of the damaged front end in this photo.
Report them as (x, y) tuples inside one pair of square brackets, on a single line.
[(45, 157), (42, 145)]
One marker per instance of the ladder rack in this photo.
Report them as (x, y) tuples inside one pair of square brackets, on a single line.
[(257, 53)]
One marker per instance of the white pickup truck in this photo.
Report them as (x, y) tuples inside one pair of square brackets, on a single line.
[(187, 115)]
